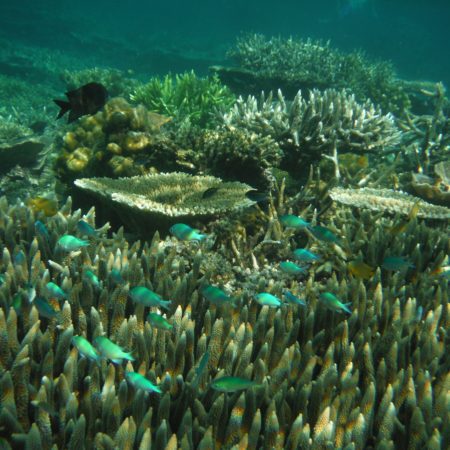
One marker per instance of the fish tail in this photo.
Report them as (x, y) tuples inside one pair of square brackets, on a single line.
[(165, 304), (65, 106)]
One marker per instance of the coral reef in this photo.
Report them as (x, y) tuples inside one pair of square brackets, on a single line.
[(426, 137), (377, 378), (436, 189), (158, 199), (22, 151), (291, 64), (322, 124), (185, 97), (239, 154), (388, 200), (121, 140)]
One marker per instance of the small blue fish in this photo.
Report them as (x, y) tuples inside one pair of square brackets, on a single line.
[(215, 295), (396, 263), (19, 258), (323, 234), (159, 322), (140, 382), (55, 291), (116, 276), (291, 298), (200, 369), (44, 308), (86, 229), (291, 268), (291, 221), (85, 348), (17, 302), (331, 302), (111, 351), (71, 243), (302, 254), (232, 384), (146, 297), (186, 233), (93, 279), (266, 299), (41, 230)]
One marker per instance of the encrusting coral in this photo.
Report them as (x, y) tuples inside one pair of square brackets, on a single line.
[(163, 198), (121, 140), (376, 378)]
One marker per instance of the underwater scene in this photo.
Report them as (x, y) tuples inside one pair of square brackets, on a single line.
[(224, 225)]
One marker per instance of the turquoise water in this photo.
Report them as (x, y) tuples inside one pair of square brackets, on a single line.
[(413, 34), (184, 268)]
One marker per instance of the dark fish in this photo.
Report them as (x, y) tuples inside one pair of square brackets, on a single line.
[(257, 196), (87, 99), (209, 192)]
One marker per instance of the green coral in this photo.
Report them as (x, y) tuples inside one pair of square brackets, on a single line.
[(297, 63), (185, 96)]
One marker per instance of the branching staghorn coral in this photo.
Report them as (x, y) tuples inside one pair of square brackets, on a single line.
[(322, 124), (293, 64), (376, 377), (427, 137)]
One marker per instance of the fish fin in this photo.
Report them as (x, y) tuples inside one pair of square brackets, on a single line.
[(74, 115), (65, 106), (165, 304), (117, 360)]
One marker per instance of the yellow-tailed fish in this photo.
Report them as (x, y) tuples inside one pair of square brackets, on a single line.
[(45, 205), (360, 269)]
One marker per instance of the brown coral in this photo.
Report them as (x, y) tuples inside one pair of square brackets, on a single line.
[(377, 377)]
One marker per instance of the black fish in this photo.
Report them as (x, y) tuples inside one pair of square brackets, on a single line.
[(257, 196), (210, 192), (87, 99)]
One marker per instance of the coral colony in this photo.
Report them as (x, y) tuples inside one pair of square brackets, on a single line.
[(276, 275)]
